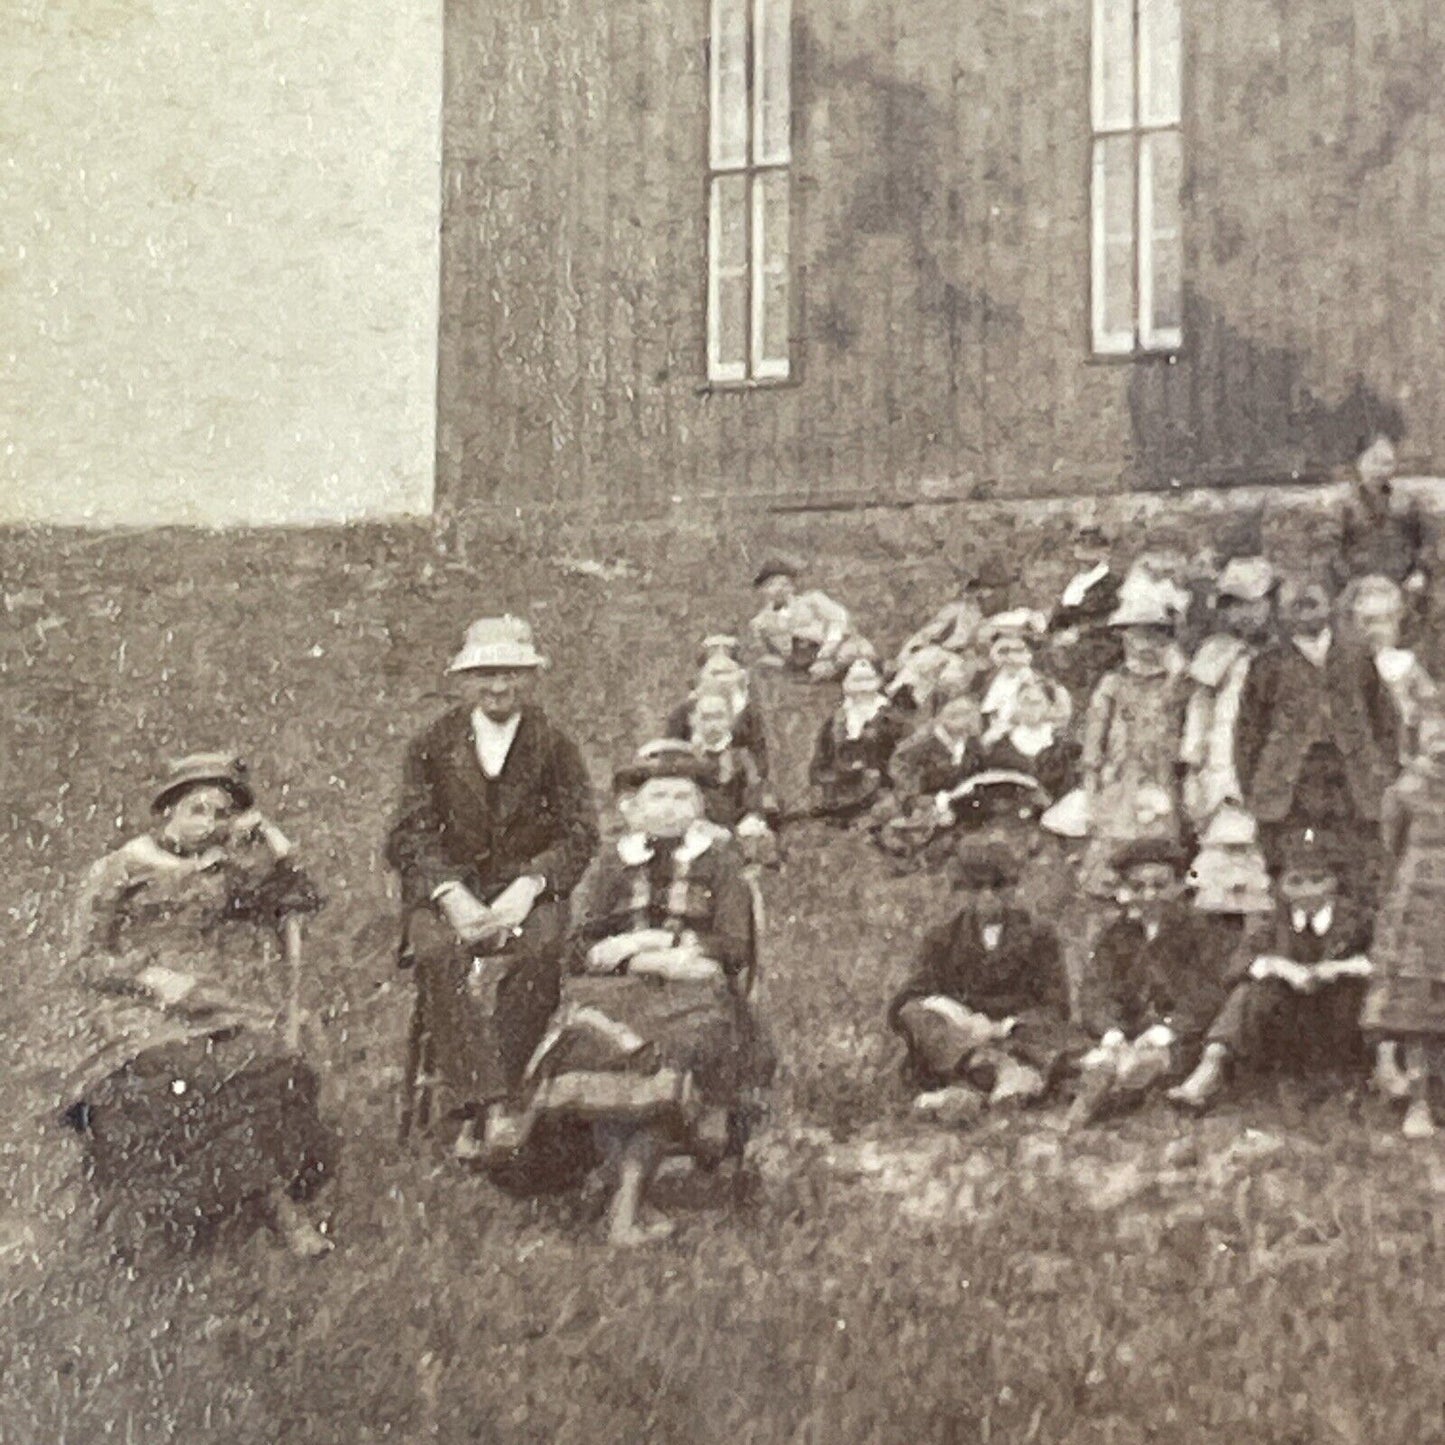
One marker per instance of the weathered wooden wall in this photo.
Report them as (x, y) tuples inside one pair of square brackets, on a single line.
[(941, 255)]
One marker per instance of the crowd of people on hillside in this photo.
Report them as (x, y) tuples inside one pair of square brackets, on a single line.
[(1194, 810)]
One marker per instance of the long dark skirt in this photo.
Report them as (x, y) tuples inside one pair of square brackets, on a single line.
[(190, 1133)]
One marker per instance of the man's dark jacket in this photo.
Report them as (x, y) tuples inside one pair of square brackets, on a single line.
[(453, 822)]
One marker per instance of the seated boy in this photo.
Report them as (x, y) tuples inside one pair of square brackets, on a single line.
[(806, 631), (988, 1003), (1152, 985), (1299, 981)]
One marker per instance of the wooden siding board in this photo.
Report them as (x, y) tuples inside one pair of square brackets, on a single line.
[(936, 339)]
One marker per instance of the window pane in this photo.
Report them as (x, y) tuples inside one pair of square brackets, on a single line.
[(1113, 244), (773, 52), (727, 321), (770, 275), (729, 83), (1161, 277), (1113, 64), (1159, 62)]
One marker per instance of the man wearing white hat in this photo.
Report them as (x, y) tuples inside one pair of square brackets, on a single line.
[(495, 826)]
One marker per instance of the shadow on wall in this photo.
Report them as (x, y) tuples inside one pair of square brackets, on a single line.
[(1237, 409), (902, 179)]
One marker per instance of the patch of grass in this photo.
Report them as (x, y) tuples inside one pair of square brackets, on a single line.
[(878, 1284)]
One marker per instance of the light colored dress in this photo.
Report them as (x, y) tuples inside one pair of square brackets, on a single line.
[(1130, 759)]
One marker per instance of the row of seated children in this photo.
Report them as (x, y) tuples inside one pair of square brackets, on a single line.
[(1175, 999)]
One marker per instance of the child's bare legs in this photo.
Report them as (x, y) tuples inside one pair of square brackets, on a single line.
[(635, 1157), (1419, 1124)]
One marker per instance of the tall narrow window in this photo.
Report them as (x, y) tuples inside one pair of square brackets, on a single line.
[(749, 154), (1137, 271)]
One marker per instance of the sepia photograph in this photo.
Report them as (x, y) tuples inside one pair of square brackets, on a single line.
[(718, 722)]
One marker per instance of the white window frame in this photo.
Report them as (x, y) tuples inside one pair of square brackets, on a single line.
[(751, 168), (1141, 128)]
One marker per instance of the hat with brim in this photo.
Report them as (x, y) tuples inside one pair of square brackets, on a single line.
[(498, 644), (204, 770), (985, 865), (776, 567), (665, 758), (1247, 579), (1149, 853)]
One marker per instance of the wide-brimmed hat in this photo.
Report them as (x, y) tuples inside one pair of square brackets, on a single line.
[(777, 567), (1247, 579), (662, 758), (204, 770), (985, 865), (1149, 852), (497, 642)]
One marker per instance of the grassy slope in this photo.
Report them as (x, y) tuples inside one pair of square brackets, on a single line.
[(890, 1287)]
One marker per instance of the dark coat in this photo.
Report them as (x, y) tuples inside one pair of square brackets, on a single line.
[(711, 901), (1288, 705), (922, 765), (1348, 935), (1024, 973), (748, 731), (849, 773), (1392, 544), (1054, 767), (733, 787), (454, 823), (1179, 979)]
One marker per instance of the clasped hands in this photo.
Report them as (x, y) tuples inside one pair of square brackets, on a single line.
[(489, 927), (651, 953)]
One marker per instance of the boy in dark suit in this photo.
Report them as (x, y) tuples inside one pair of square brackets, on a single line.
[(988, 1003)]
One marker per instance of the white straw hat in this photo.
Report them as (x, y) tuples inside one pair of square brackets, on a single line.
[(497, 642)]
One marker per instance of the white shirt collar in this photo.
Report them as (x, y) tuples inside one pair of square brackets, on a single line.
[(494, 741), (957, 747), (858, 714), (1315, 649), (1079, 585), (634, 850), (1318, 923), (991, 933)]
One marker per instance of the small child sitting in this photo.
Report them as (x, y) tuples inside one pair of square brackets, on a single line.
[(735, 797), (1299, 982), (850, 761), (720, 671), (806, 631), (1152, 985), (1032, 741), (987, 1006), (926, 768)]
